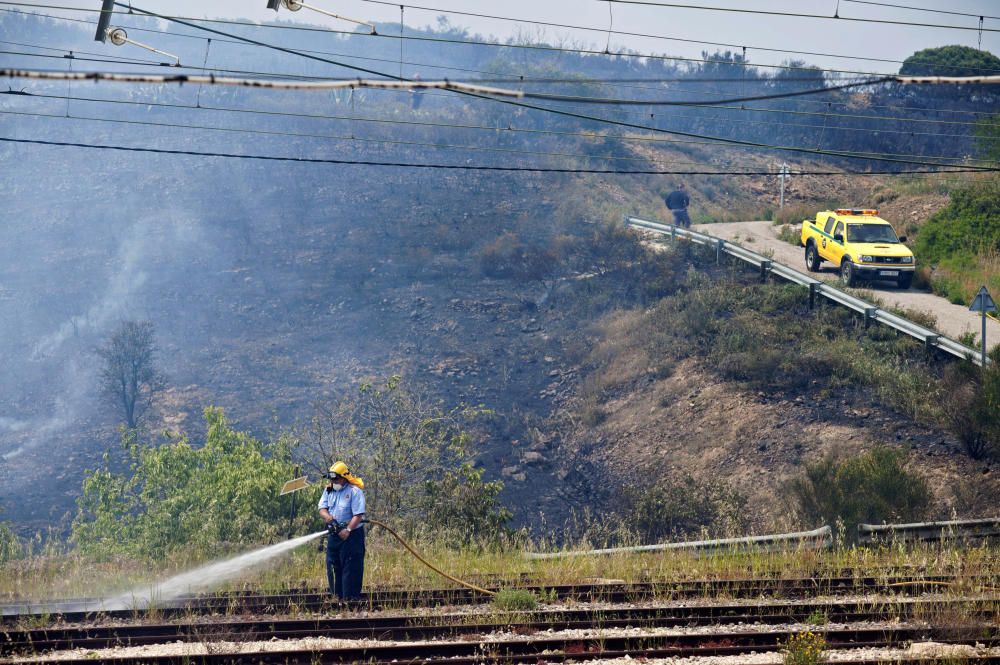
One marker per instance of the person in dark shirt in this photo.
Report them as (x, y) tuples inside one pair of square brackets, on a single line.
[(677, 201)]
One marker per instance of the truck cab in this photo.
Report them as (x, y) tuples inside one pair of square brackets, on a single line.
[(862, 245)]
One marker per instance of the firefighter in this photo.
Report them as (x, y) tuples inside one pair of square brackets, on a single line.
[(342, 507)]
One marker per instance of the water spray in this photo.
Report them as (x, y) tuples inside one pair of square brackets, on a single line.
[(199, 579), (209, 575)]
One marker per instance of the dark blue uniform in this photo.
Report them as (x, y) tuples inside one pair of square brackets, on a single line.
[(345, 559)]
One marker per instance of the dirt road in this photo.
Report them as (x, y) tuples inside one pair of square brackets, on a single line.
[(952, 320)]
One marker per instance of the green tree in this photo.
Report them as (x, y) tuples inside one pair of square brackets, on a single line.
[(870, 488), (951, 60), (176, 497), (412, 455), (987, 133)]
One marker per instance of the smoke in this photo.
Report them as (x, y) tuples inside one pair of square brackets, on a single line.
[(130, 275), (74, 378), (11, 425), (158, 242)]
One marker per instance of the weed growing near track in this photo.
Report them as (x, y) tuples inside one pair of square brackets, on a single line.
[(515, 600), (805, 648)]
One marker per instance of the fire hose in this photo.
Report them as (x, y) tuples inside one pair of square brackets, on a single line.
[(336, 526)]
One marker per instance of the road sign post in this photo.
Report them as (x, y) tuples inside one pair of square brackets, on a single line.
[(291, 487), (983, 303)]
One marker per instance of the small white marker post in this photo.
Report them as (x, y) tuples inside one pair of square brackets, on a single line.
[(983, 303), (783, 173)]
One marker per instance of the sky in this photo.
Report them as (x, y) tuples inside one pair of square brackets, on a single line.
[(872, 41)]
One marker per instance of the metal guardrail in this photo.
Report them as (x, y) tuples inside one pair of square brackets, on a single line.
[(816, 539), (929, 531), (871, 312)]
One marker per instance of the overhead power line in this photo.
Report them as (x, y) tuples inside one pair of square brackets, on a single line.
[(466, 167), (212, 79), (455, 86), (499, 45), (546, 109), (438, 10), (835, 17), (918, 9), (334, 137), (452, 86), (590, 136), (617, 82)]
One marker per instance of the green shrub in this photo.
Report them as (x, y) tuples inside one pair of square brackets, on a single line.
[(10, 546), (963, 241), (684, 506), (176, 497), (870, 488), (460, 504), (971, 406), (513, 600)]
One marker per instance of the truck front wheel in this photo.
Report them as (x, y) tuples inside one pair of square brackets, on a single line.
[(848, 276), (905, 280), (812, 257)]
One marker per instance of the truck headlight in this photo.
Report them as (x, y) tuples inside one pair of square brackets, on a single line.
[(867, 259), (906, 259)]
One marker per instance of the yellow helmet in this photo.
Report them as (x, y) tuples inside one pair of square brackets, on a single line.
[(340, 469)]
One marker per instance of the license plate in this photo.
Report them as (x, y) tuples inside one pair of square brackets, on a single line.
[(889, 273)]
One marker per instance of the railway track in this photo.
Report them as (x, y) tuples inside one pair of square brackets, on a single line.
[(478, 650), (453, 626), (316, 601), (612, 620)]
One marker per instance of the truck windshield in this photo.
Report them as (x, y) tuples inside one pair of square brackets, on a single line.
[(870, 233)]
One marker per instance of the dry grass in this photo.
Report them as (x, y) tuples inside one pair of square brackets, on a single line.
[(389, 566)]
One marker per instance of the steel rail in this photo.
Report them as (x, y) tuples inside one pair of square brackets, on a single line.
[(271, 604), (930, 338), (573, 648), (41, 640)]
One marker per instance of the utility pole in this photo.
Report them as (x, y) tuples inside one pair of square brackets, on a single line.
[(983, 303), (783, 173)]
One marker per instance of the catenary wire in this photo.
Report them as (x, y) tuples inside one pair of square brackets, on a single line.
[(532, 47), (417, 123), (501, 18), (469, 167), (918, 9), (84, 75), (710, 104), (765, 12), (564, 113), (124, 60), (71, 54), (455, 86), (395, 141), (333, 137), (523, 79)]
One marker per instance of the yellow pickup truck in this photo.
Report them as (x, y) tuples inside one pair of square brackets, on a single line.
[(861, 244)]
